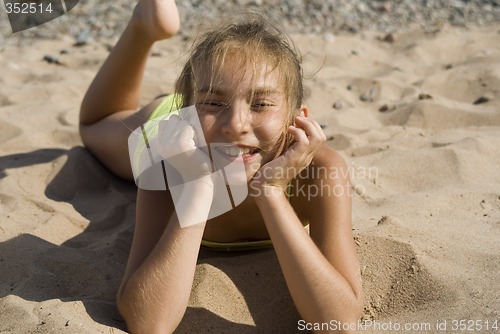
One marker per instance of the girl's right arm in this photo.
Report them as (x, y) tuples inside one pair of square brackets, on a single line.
[(155, 289)]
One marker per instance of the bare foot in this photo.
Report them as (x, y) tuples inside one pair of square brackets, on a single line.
[(158, 19)]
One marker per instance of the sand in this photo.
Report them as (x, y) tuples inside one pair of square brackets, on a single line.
[(416, 116)]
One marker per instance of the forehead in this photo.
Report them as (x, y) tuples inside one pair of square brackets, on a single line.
[(239, 72)]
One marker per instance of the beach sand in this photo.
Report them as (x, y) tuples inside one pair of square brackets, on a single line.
[(415, 114)]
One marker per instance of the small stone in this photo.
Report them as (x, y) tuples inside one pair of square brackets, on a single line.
[(369, 95), (481, 100), (323, 126), (329, 37), (382, 220), (388, 220), (338, 105), (387, 107), (448, 66), (82, 39), (389, 38), (51, 60), (424, 96)]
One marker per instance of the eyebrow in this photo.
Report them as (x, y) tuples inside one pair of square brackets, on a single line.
[(257, 91)]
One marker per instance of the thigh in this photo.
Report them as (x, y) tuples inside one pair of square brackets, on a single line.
[(107, 139)]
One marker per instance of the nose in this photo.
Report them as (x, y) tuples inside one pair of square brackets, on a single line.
[(236, 119)]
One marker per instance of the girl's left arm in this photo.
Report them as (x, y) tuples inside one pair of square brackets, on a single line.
[(321, 270)]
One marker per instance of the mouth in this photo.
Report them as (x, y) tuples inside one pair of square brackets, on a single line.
[(238, 151)]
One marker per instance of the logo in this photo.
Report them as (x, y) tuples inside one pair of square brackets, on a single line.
[(28, 14), (171, 153)]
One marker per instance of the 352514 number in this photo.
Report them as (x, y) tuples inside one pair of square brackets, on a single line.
[(27, 8)]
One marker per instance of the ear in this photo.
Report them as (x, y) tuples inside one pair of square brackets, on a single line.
[(304, 111)]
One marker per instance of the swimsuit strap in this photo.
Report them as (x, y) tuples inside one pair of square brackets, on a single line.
[(169, 105), (238, 245)]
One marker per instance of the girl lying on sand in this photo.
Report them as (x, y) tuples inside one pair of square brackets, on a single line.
[(245, 83)]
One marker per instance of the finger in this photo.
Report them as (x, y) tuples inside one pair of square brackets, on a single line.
[(312, 129), (307, 125), (321, 133), (175, 136), (171, 127), (298, 134), (190, 115)]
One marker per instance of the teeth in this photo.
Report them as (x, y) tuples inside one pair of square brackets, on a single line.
[(235, 151)]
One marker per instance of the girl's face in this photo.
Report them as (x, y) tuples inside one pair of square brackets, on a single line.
[(242, 110)]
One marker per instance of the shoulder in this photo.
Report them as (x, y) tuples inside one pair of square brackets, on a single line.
[(328, 157), (324, 183), (327, 166)]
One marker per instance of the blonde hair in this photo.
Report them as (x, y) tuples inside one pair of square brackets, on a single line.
[(257, 41)]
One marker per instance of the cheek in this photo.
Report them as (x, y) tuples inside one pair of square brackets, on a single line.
[(207, 123), (271, 131)]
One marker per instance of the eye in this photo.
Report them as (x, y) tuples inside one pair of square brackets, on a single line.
[(261, 105), (211, 105)]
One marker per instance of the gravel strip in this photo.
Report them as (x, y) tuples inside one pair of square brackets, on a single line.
[(104, 20)]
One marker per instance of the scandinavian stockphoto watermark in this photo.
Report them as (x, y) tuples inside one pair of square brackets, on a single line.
[(378, 326), (327, 180), (28, 14), (171, 153)]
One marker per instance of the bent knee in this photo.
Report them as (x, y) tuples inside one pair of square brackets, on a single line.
[(109, 145)]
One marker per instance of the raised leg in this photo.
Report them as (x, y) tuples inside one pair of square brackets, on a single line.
[(108, 111)]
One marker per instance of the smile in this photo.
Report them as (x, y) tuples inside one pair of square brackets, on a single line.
[(236, 151)]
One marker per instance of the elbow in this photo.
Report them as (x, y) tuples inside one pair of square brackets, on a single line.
[(352, 316), (141, 320), (129, 316), (344, 322), (359, 304), (356, 307), (355, 314)]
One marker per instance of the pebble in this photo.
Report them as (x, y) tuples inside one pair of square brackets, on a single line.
[(338, 104), (51, 60), (82, 39), (387, 107), (370, 95), (329, 37), (388, 220), (389, 38), (424, 96), (481, 100)]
